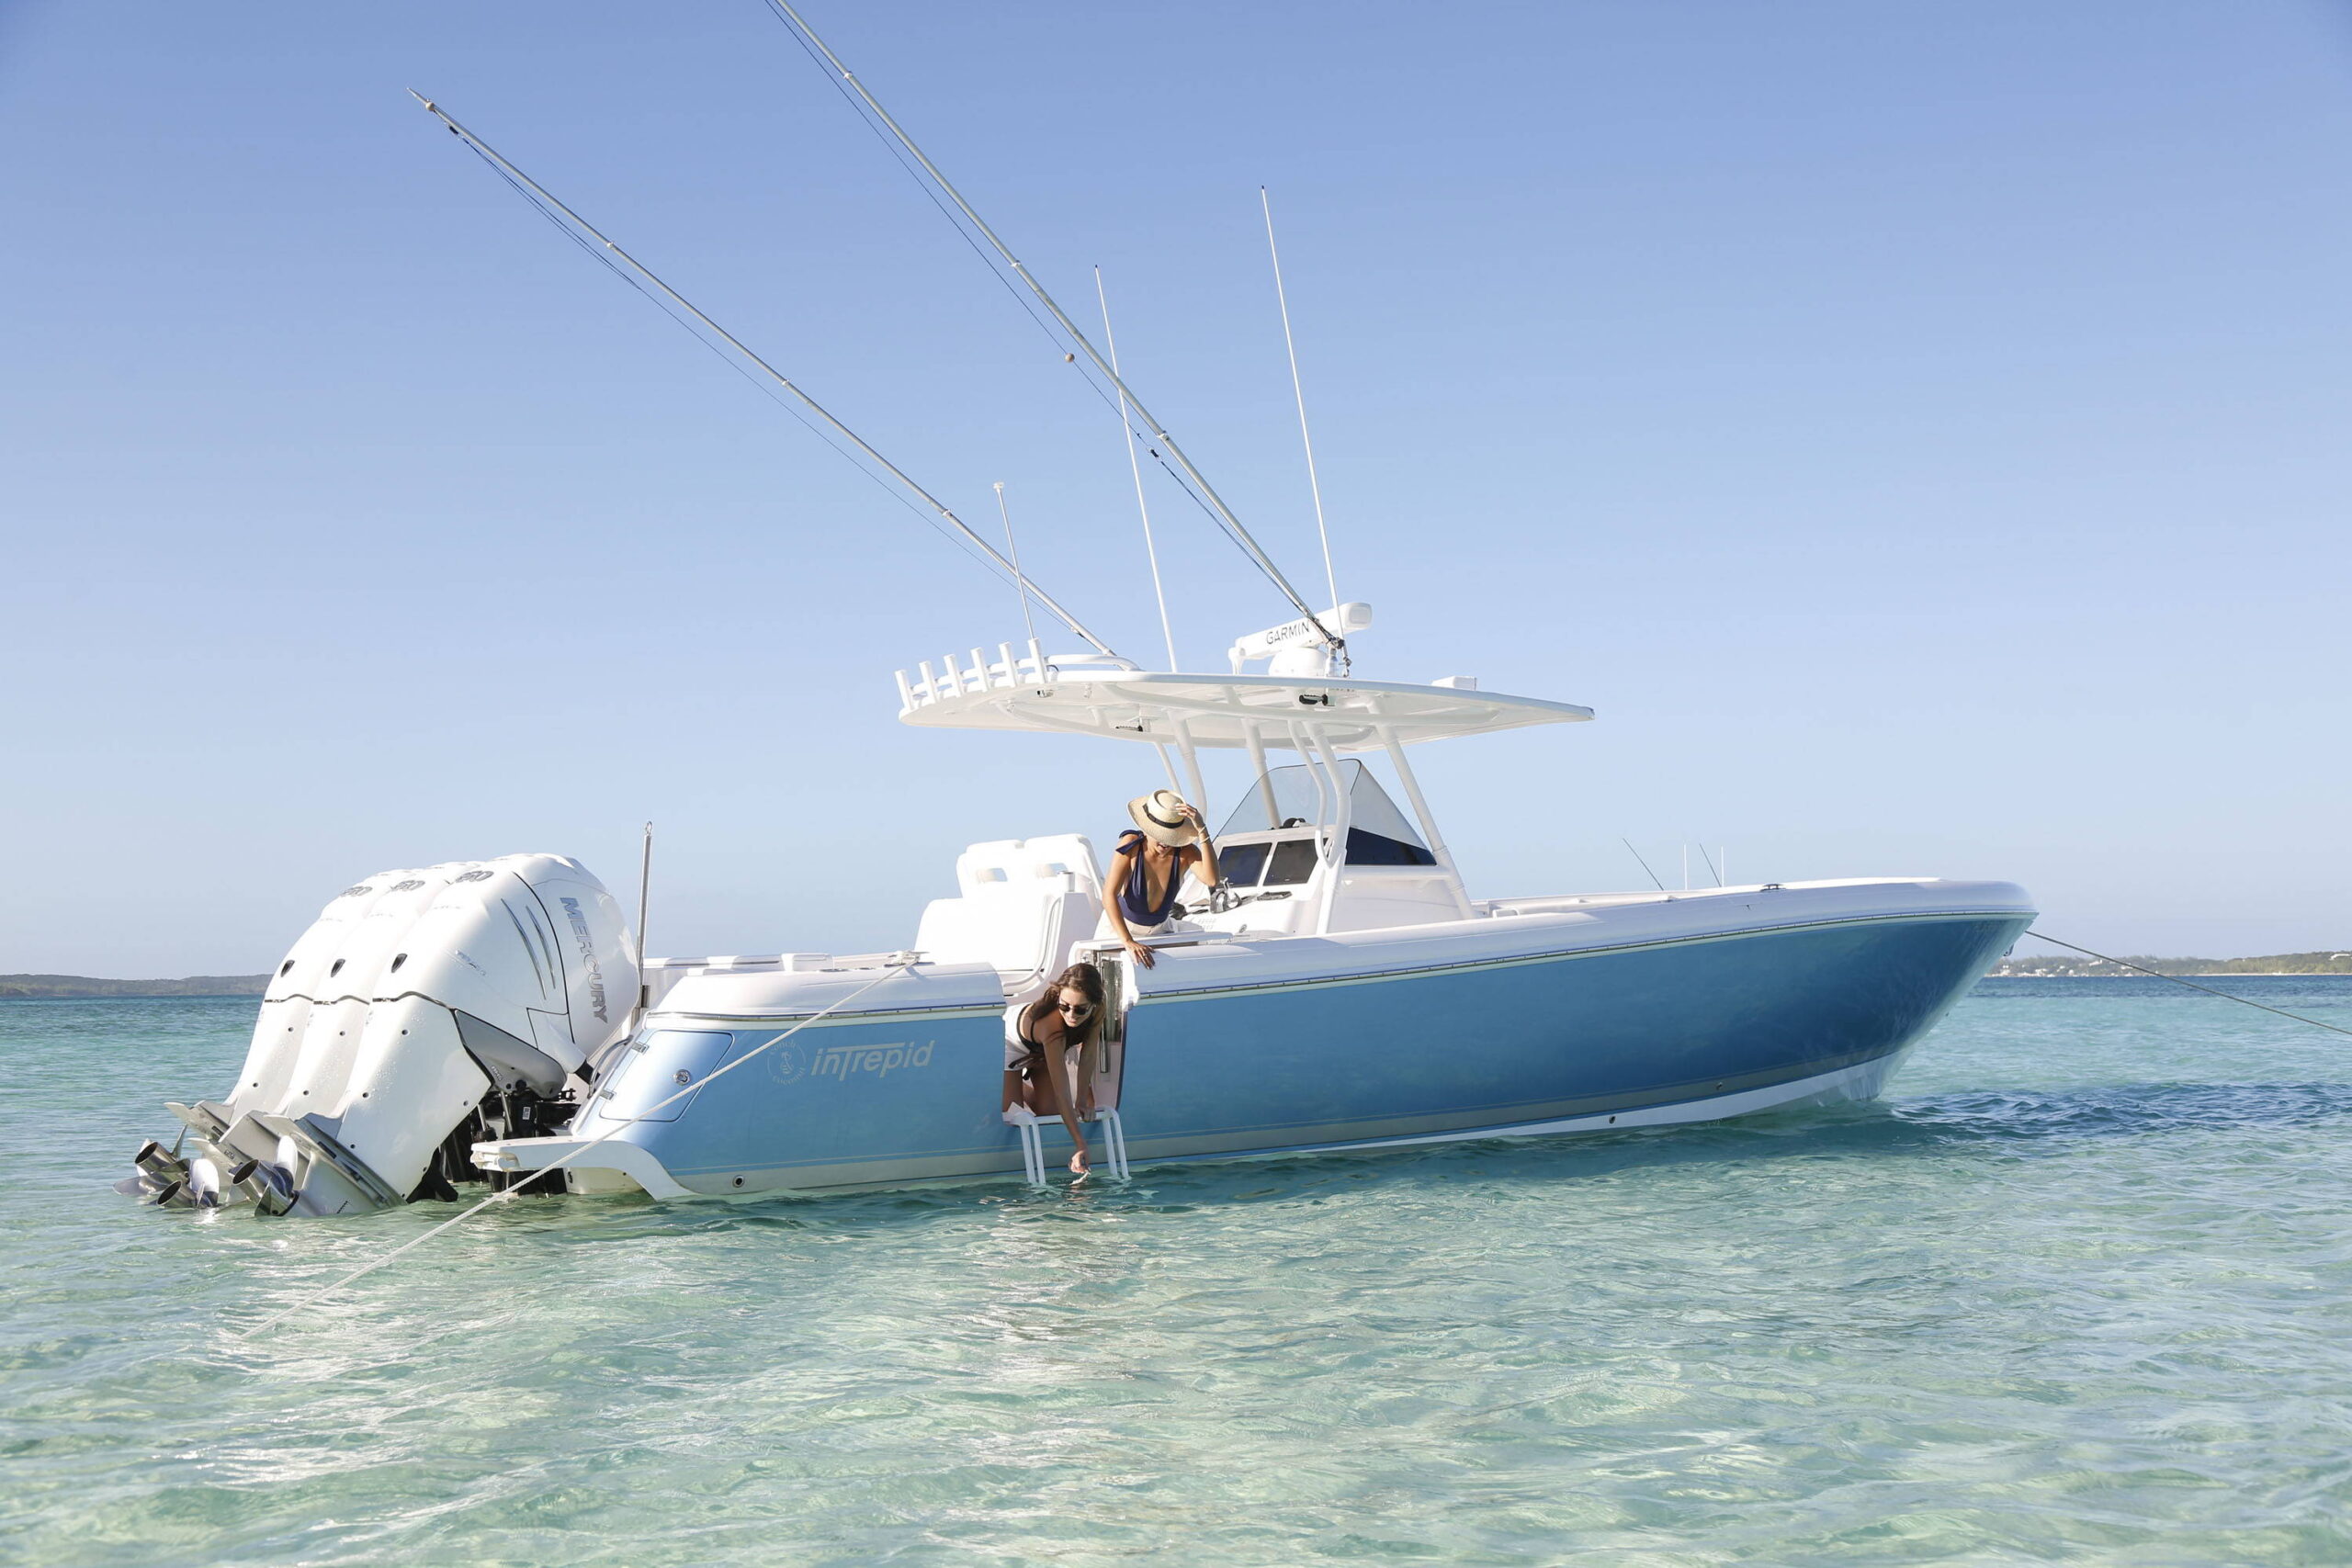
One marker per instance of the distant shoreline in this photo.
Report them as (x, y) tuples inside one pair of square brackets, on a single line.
[(2187, 975), (85, 988), (2073, 967)]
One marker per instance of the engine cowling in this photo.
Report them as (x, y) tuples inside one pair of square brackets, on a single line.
[(416, 995)]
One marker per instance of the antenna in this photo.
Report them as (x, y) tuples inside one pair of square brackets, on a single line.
[(1645, 865), (1314, 485), (1020, 583), (644, 888), (1135, 467), (1710, 865)]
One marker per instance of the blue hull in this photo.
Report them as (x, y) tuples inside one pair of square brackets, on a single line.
[(1490, 1045)]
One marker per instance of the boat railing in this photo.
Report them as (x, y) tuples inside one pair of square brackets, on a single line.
[(772, 963), (1010, 669), (1568, 902)]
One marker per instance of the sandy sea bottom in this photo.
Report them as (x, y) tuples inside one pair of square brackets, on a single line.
[(2075, 1291)]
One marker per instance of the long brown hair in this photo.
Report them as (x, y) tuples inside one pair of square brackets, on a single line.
[(1083, 978)]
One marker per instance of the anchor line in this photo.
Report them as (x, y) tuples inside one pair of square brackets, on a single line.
[(1203, 493), (508, 1194), (550, 206), (2127, 963)]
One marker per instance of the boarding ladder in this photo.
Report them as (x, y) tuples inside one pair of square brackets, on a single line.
[(1031, 1126)]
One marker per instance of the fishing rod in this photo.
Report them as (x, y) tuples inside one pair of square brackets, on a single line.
[(551, 206), (1223, 513)]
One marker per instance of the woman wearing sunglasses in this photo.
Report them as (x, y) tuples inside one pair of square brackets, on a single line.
[(1038, 1038)]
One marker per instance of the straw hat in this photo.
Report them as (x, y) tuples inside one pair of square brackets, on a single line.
[(1161, 817)]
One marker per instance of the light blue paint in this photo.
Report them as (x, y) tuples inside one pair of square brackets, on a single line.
[(668, 1063), (1441, 1050)]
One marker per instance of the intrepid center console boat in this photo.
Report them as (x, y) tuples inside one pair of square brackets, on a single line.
[(1342, 990)]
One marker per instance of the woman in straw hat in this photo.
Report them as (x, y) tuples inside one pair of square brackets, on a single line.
[(1168, 840)]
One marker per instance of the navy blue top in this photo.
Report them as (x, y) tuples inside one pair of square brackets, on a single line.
[(1134, 893)]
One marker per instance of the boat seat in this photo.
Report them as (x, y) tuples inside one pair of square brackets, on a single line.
[(1021, 904)]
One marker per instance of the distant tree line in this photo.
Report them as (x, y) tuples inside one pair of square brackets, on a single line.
[(2275, 964), (68, 985)]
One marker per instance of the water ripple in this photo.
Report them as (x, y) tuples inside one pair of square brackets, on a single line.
[(2077, 1292)]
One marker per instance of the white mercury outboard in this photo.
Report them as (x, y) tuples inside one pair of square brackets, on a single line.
[(422, 1011)]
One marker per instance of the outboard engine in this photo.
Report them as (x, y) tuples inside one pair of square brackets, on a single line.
[(423, 1010)]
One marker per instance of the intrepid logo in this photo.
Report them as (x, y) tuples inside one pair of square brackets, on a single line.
[(842, 1061), (588, 956)]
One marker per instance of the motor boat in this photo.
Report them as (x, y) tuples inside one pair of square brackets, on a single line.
[(1341, 989)]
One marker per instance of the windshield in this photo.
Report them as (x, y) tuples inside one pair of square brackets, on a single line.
[(1297, 804)]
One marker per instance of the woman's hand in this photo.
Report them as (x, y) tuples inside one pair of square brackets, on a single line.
[(1204, 853), (1140, 953)]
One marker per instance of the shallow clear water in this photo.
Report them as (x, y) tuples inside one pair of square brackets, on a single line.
[(2076, 1291)]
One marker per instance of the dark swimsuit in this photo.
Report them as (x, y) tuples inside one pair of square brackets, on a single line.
[(1035, 1059), (1034, 1062), (1134, 893)]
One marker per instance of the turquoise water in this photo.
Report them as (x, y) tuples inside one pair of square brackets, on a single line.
[(2075, 1291)]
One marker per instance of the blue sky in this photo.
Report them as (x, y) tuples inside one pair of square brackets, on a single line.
[(1919, 431)]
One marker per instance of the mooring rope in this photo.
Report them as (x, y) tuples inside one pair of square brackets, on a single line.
[(314, 1298), (2127, 963)]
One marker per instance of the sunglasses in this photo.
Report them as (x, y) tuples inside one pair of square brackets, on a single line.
[(1079, 1010)]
